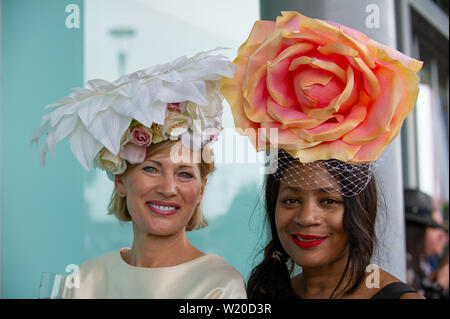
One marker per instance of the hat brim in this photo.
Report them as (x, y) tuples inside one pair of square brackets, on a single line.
[(424, 221)]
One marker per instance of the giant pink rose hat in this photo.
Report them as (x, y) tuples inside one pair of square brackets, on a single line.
[(330, 91)]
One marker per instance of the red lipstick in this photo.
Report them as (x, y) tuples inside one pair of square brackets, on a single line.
[(307, 241), (162, 208)]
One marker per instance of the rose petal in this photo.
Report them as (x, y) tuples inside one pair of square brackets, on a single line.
[(409, 81), (232, 91), (351, 93), (325, 95), (255, 97), (409, 99), (292, 116), (381, 112), (317, 100), (314, 90), (371, 83), (337, 48), (288, 42), (278, 75), (337, 33), (293, 37), (305, 100), (378, 48), (261, 29), (331, 131), (238, 77), (133, 153), (347, 95), (289, 20), (284, 138), (253, 134), (371, 151), (306, 78), (319, 64), (355, 34), (265, 52), (325, 151), (314, 76)]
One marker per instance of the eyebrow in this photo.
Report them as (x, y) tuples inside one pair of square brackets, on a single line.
[(296, 189), (292, 189), (156, 162), (185, 166), (179, 167)]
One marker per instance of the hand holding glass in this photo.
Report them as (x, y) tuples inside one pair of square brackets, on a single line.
[(52, 286)]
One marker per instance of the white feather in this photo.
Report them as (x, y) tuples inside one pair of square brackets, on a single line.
[(108, 127), (83, 145), (97, 115)]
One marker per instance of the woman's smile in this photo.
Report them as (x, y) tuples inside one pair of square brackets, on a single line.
[(307, 241), (163, 208)]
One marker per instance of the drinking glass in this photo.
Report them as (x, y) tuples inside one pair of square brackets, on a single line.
[(52, 286)]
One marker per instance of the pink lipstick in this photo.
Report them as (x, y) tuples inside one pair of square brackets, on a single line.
[(162, 208), (307, 241)]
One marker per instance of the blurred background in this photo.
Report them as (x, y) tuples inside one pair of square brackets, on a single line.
[(55, 216)]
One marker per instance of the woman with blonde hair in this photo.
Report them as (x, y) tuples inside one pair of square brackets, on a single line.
[(151, 132)]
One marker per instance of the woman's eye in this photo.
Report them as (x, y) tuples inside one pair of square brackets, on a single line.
[(290, 201), (149, 169), (186, 175), (330, 201)]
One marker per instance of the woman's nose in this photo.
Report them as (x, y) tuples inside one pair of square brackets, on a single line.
[(167, 186), (307, 214)]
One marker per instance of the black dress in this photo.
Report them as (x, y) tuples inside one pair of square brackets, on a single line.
[(394, 290)]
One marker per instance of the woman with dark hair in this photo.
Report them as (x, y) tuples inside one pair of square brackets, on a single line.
[(330, 234), (331, 99), (425, 237)]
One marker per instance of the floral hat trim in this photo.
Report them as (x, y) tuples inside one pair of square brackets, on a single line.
[(109, 124), (329, 91)]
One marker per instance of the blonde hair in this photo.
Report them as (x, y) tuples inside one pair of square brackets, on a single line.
[(118, 205)]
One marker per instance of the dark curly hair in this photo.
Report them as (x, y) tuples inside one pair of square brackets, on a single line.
[(271, 279)]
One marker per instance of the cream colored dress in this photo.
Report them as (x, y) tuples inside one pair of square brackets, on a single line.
[(109, 276)]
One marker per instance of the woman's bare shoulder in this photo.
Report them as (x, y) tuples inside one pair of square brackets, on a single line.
[(412, 295)]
